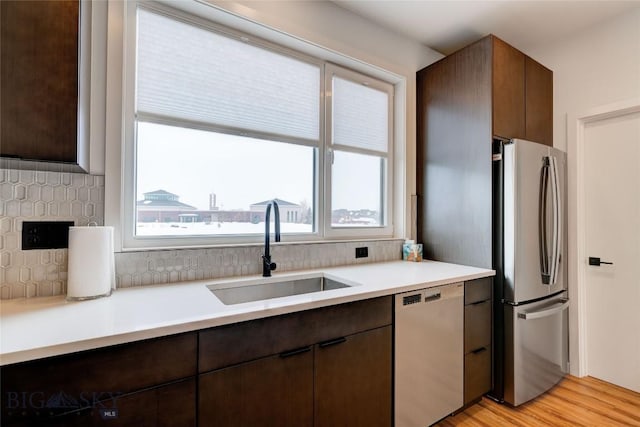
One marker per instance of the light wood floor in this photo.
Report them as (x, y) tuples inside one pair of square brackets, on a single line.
[(573, 402)]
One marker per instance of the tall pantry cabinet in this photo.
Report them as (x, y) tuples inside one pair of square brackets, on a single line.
[(484, 92)]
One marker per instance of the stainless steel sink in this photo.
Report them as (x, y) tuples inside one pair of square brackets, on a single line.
[(263, 289)]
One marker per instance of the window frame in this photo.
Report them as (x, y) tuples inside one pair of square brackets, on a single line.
[(331, 71), (126, 239)]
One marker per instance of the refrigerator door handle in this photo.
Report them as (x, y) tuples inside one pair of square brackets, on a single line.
[(550, 311), (549, 262), (542, 220), (557, 221)]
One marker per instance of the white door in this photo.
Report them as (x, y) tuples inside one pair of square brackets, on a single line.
[(612, 221)]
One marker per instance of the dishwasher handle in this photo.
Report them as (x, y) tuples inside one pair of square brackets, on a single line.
[(432, 297)]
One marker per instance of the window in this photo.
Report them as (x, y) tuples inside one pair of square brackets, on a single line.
[(221, 123), (224, 186), (359, 137)]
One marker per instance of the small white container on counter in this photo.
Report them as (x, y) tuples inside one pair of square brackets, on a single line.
[(91, 272)]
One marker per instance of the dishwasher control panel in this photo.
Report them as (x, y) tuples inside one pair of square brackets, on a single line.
[(411, 299)]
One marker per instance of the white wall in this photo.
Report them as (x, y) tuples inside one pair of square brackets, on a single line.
[(593, 70), (596, 67), (331, 27)]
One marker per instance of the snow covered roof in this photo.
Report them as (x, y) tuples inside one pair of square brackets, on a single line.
[(164, 204), (159, 193), (279, 201), (162, 199)]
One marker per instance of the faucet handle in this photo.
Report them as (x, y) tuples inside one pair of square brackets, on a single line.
[(268, 265)]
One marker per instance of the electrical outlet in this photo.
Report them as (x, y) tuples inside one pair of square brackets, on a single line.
[(362, 252), (45, 234)]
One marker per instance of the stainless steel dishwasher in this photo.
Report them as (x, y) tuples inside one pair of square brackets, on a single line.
[(429, 354)]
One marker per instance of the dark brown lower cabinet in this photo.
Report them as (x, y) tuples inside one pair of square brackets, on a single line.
[(165, 406), (477, 338), (325, 367), (273, 391), (353, 384), (149, 383), (340, 382), (477, 374), (328, 366)]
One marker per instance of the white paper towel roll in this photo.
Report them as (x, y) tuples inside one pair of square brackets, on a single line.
[(91, 271)]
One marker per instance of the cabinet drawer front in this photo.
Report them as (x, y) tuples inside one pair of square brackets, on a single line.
[(477, 290), (232, 344), (477, 374), (477, 326), (348, 319)]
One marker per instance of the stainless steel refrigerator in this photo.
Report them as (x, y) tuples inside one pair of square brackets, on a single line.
[(530, 247)]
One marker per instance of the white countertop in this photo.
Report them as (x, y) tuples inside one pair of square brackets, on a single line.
[(34, 328)]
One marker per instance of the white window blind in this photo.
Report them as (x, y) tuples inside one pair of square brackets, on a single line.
[(189, 73), (360, 116)]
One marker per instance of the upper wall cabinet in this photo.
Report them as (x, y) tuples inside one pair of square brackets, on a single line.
[(522, 92), (40, 81), (507, 89), (538, 91)]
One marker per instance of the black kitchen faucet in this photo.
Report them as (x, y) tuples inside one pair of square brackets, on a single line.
[(267, 265)]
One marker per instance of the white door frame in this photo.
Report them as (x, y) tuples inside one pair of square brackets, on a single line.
[(577, 233)]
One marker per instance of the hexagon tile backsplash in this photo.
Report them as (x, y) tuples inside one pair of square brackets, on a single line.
[(62, 196), (158, 267), (42, 196)]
